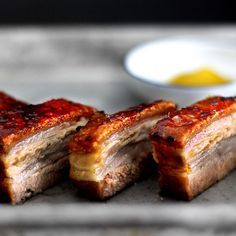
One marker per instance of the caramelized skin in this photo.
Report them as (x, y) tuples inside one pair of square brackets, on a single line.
[(180, 126), (103, 126), (25, 121), (7, 102)]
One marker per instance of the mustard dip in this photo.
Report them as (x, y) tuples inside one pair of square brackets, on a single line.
[(201, 77)]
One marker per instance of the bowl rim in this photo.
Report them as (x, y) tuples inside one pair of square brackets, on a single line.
[(163, 85)]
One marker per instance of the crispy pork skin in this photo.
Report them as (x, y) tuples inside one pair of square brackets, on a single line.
[(34, 146), (195, 146), (7, 102), (113, 151)]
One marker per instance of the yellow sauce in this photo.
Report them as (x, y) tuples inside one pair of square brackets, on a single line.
[(201, 77)]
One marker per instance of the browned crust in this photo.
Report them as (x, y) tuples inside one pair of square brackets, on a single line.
[(103, 126), (182, 125), (27, 120), (7, 102)]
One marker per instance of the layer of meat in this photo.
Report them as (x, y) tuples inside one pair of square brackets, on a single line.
[(167, 154), (19, 190), (32, 153), (31, 161), (210, 136), (207, 169), (121, 177), (117, 179)]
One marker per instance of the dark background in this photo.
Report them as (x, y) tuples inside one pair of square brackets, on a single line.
[(115, 11)]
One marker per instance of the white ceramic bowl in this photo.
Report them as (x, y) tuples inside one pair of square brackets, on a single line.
[(152, 64)]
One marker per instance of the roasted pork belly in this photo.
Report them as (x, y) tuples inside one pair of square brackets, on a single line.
[(7, 102), (113, 151), (195, 146), (34, 145)]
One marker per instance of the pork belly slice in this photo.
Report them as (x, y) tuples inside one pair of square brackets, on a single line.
[(196, 146), (113, 151), (7, 102), (34, 146)]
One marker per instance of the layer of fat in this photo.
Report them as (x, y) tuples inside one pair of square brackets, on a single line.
[(90, 166), (210, 136), (22, 154), (85, 167)]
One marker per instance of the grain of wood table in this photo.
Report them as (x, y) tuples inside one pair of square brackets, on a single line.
[(85, 64)]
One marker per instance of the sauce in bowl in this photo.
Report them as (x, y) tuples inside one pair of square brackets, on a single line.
[(200, 78)]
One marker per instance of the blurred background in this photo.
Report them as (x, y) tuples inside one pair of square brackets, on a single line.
[(57, 42), (119, 11), (76, 49)]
